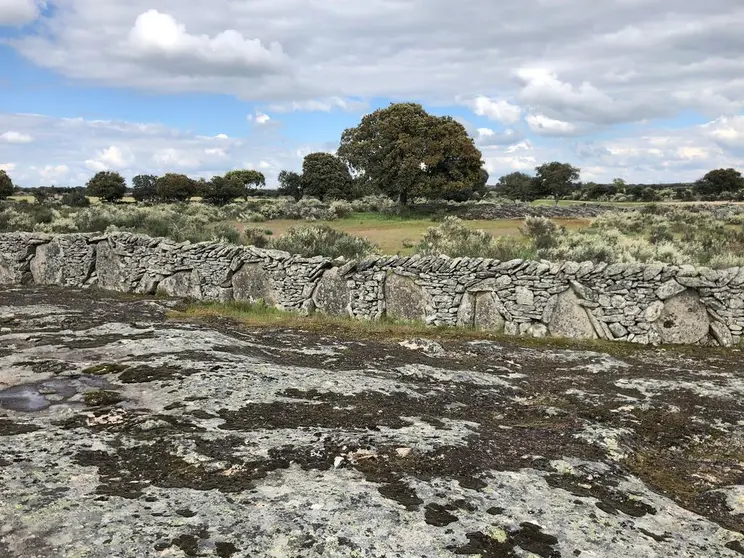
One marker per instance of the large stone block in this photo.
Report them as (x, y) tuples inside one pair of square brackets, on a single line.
[(684, 319), (66, 260), (487, 315), (185, 284), (466, 311), (112, 272), (331, 294), (252, 283), (570, 319), (404, 299)]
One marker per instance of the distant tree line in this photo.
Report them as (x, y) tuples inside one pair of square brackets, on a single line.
[(560, 181), (400, 151)]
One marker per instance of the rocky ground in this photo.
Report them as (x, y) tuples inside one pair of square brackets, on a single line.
[(125, 433)]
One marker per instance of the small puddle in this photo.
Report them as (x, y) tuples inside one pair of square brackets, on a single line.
[(42, 395)]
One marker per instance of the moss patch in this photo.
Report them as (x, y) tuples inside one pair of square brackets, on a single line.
[(102, 397)]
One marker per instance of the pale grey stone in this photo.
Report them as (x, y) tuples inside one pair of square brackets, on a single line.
[(549, 309), (487, 315), (583, 292), (722, 334), (669, 289), (466, 311), (252, 283), (570, 319), (404, 299), (618, 330), (652, 271), (331, 295), (111, 270), (653, 311), (182, 284), (524, 296), (684, 319), (537, 330)]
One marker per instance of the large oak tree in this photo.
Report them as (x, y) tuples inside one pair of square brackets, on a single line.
[(405, 152)]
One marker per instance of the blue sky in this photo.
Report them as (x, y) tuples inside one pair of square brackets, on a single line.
[(650, 91)]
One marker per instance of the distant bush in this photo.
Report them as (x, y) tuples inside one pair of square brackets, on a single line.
[(255, 237), (453, 238), (76, 198), (322, 240), (374, 203)]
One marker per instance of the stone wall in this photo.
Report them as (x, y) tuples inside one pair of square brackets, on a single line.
[(648, 304)]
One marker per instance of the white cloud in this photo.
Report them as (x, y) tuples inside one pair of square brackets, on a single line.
[(587, 63), (544, 126), (15, 137), (321, 105), (53, 174), (85, 146), (259, 118), (160, 38), (486, 136), (7, 167), (495, 109), (109, 158), (18, 12), (727, 132)]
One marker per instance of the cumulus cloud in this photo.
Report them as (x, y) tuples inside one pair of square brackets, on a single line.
[(727, 133), (159, 38), (544, 126), (495, 109), (259, 118), (321, 105), (593, 63), (68, 151), (110, 158), (486, 136), (18, 12), (15, 137)]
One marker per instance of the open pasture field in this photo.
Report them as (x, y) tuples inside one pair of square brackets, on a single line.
[(399, 235)]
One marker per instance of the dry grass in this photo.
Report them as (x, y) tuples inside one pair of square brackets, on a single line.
[(396, 235)]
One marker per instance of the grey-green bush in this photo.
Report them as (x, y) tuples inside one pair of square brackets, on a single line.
[(322, 240)]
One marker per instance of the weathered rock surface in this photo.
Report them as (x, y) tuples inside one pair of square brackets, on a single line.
[(404, 299), (684, 319), (487, 314), (252, 283), (124, 434), (569, 318), (331, 295)]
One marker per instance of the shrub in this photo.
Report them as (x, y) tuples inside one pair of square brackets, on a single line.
[(256, 237), (322, 240), (340, 208), (541, 231), (374, 203), (75, 198), (453, 238)]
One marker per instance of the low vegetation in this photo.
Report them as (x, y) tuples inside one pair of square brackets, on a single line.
[(654, 233)]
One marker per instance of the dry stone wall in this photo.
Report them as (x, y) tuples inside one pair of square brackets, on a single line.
[(647, 304)]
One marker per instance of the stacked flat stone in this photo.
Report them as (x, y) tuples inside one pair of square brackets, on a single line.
[(640, 303)]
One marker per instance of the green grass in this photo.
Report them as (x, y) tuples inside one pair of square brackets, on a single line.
[(261, 316)]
